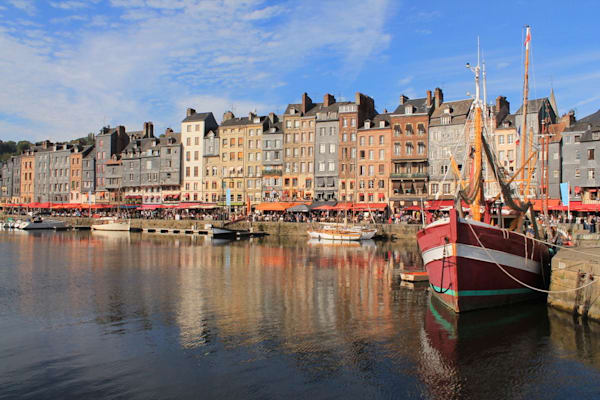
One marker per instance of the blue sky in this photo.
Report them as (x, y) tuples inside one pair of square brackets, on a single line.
[(68, 67)]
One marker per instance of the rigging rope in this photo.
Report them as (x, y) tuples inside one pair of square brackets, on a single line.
[(519, 281)]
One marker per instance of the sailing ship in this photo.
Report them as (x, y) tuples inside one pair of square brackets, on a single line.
[(472, 263)]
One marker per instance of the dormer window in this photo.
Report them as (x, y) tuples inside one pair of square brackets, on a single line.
[(445, 119), (447, 110), (408, 109), (257, 120), (292, 111), (382, 124), (367, 124)]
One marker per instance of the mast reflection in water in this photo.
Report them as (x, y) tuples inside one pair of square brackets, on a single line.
[(118, 315)]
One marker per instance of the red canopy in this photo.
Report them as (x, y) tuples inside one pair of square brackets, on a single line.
[(369, 207)]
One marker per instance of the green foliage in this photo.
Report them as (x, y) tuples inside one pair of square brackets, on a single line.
[(10, 148)]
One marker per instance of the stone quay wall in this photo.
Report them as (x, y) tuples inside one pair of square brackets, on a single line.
[(388, 231), (571, 270)]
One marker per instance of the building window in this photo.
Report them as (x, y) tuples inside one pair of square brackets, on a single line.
[(591, 173), (500, 139), (446, 188), (577, 173), (590, 154)]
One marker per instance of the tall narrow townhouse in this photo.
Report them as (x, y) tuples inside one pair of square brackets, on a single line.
[(110, 142), (272, 187), (88, 174), (16, 170), (449, 136), (326, 148), (374, 144), (193, 129), (351, 116), (410, 141), (299, 125), (76, 185), (241, 157), (170, 166), (213, 182), (27, 176), (41, 188)]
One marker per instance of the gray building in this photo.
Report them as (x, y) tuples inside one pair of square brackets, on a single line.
[(109, 142), (448, 134), (88, 173), (580, 147), (272, 145), (326, 148), (41, 188), (6, 181), (59, 173), (170, 165)]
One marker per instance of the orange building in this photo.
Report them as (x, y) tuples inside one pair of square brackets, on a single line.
[(351, 116), (299, 127), (374, 144), (409, 149), (27, 176), (76, 175)]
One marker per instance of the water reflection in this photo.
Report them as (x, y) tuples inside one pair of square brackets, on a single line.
[(118, 314)]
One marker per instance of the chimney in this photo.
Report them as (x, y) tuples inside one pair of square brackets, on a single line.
[(190, 112), (439, 97), (569, 119), (228, 115), (385, 111), (168, 131), (403, 99), (251, 116), (272, 117), (328, 100), (501, 104), (429, 99), (306, 103), (148, 130)]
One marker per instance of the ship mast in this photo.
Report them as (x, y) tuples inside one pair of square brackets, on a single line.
[(524, 135), (477, 161)]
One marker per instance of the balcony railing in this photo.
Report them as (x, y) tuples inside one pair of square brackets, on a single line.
[(419, 175), (272, 172)]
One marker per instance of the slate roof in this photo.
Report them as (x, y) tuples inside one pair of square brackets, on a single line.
[(533, 106), (420, 106), (165, 139), (375, 121), (459, 112), (584, 123), (511, 119), (198, 117), (242, 121)]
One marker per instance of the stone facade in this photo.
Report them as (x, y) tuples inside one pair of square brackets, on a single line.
[(109, 142), (351, 116), (76, 173), (373, 164), (326, 149), (449, 132), (409, 148), (193, 130), (88, 174), (298, 146), (272, 187), (27, 177)]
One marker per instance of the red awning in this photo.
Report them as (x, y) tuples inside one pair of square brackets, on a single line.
[(369, 207), (343, 206), (276, 206), (324, 208)]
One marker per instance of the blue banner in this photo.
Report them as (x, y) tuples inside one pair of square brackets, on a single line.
[(228, 199), (564, 193)]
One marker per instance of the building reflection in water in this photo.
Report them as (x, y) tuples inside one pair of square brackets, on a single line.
[(330, 309)]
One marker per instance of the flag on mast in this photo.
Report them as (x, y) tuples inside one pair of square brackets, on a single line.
[(518, 135), (527, 38)]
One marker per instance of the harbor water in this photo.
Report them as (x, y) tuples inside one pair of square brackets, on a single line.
[(120, 315)]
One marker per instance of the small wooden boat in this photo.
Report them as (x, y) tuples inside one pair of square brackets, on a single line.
[(112, 224)]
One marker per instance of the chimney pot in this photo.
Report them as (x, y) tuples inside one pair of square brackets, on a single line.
[(429, 99), (190, 112), (403, 99), (439, 97)]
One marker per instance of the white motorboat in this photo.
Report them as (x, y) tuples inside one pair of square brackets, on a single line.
[(112, 224)]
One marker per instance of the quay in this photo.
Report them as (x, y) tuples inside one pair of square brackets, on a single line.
[(572, 269), (278, 228)]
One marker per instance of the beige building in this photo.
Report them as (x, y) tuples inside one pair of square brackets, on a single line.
[(193, 129), (241, 157), (299, 128)]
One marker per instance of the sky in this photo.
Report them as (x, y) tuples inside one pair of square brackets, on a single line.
[(69, 67)]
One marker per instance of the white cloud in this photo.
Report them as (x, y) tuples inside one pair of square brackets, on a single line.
[(181, 53), (27, 6), (69, 5)]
